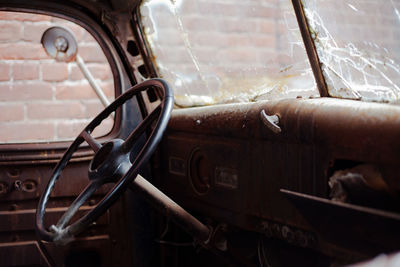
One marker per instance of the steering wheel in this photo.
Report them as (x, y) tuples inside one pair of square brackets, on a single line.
[(111, 163)]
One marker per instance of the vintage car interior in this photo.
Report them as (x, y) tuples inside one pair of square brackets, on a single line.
[(199, 133)]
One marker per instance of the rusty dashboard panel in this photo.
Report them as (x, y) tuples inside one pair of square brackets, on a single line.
[(224, 161), (20, 188), (212, 177)]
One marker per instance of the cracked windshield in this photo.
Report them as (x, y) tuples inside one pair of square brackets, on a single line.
[(228, 51), (358, 46)]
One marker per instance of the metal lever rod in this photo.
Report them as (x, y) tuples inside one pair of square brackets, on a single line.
[(88, 75), (172, 210)]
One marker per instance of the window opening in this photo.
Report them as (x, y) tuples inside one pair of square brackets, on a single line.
[(357, 44), (43, 99), (223, 52)]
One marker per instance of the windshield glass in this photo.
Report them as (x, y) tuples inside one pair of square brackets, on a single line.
[(227, 51), (358, 46)]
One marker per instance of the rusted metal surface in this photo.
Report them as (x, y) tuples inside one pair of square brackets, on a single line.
[(29, 254), (364, 229), (348, 127), (17, 212), (316, 134), (21, 220), (144, 51), (310, 47)]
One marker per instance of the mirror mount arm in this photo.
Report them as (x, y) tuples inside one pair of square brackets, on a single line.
[(89, 77), (60, 44)]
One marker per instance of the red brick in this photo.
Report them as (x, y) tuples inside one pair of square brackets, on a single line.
[(101, 71), (24, 91), (200, 23), (75, 73), (10, 31), (267, 26), (236, 39), (93, 108), (220, 9), (166, 20), (259, 11), (20, 16), (33, 31), (266, 55), (11, 112), (26, 132), (25, 71), (4, 72), (233, 39), (5, 92), (237, 55), (236, 25), (284, 29), (91, 53), (263, 40), (108, 88), (74, 110), (57, 71), (170, 36), (188, 7), (76, 91), (22, 51), (87, 37), (204, 55), (214, 39), (104, 128), (178, 55), (70, 129)]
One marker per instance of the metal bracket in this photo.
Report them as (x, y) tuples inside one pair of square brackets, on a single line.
[(272, 122)]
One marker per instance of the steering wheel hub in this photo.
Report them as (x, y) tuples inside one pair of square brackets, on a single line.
[(110, 162)]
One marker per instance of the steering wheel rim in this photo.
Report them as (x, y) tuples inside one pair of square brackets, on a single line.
[(110, 159)]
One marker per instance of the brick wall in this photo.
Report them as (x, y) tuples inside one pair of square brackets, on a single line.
[(360, 40), (41, 99), (242, 48)]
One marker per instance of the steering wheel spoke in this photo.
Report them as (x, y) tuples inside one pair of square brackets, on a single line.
[(78, 202), (135, 135), (91, 141)]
